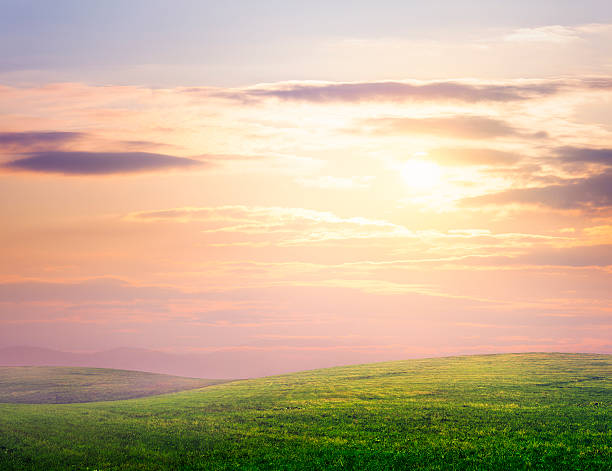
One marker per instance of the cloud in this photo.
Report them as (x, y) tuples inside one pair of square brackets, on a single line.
[(229, 225), (323, 92), (598, 83), (401, 91), (585, 155), (28, 142), (580, 256), (458, 126), (556, 35), (283, 227), (35, 140), (584, 193), (469, 156), (98, 163), (549, 34), (577, 256), (99, 289)]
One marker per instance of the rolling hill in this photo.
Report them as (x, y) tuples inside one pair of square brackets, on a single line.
[(64, 385), (513, 411)]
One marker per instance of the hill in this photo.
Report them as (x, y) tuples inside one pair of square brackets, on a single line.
[(515, 411), (63, 385)]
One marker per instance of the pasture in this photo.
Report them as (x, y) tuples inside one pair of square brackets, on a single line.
[(511, 411)]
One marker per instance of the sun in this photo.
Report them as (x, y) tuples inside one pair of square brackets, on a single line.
[(421, 174)]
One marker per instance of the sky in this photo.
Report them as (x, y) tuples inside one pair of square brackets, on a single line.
[(342, 181)]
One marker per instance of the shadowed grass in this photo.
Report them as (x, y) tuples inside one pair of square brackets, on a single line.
[(516, 411), (63, 385)]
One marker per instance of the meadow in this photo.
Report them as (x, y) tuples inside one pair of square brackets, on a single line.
[(511, 411)]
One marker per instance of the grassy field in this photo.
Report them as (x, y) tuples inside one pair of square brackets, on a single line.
[(63, 385), (523, 411)]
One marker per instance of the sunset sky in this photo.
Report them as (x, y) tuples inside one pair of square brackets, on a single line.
[(347, 181)]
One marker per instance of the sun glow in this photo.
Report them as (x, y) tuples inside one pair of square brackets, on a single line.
[(421, 174)]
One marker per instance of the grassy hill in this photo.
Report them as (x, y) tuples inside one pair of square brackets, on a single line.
[(62, 385), (518, 411)]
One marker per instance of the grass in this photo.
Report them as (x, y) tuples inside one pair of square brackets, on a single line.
[(63, 385), (516, 411)]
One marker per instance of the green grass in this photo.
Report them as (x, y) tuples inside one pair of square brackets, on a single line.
[(523, 411), (63, 385)]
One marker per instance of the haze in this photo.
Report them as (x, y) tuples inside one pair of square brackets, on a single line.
[(303, 183)]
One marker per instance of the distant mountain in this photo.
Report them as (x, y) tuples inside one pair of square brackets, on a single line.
[(221, 365)]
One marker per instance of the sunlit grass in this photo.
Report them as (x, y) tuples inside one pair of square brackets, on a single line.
[(523, 411)]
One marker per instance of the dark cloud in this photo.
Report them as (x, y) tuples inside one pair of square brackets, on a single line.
[(45, 141), (597, 83), (582, 193), (467, 156), (585, 155), (394, 91), (99, 163), (20, 141), (468, 127)]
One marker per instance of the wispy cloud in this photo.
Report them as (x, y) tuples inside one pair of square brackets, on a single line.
[(36, 140), (100, 289), (277, 225), (580, 256), (470, 156), (456, 126), (547, 34)]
